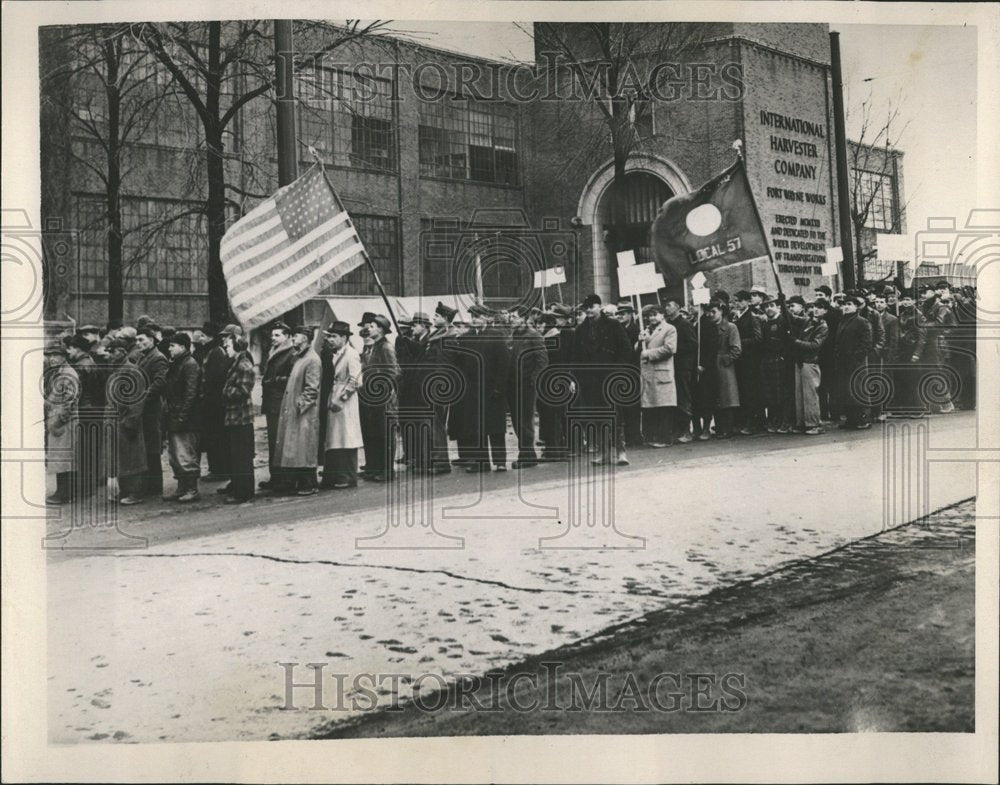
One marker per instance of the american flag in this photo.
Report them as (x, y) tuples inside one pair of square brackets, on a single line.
[(289, 247)]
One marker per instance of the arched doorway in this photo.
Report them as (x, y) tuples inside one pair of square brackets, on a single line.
[(650, 181), (644, 193)]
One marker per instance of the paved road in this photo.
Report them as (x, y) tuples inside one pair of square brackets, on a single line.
[(182, 640)]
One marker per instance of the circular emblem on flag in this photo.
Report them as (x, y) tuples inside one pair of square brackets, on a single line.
[(704, 220)]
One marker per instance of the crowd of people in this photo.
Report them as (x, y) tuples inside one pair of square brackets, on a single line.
[(583, 382)]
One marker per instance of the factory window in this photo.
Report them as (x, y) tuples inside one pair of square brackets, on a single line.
[(347, 117), (873, 193), (468, 140)]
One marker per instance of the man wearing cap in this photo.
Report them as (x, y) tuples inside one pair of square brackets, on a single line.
[(274, 380), (123, 417), (527, 360), (777, 369), (559, 346), (658, 342), (61, 388), (603, 352), (478, 419), (203, 339), (439, 359), (380, 382), (153, 366), (854, 342), (238, 424), (90, 416), (886, 355), (297, 442), (625, 314), (719, 349), (934, 317), (809, 334), (182, 420), (343, 431)]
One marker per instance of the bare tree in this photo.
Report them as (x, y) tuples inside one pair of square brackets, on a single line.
[(610, 61), (872, 162), (112, 97), (221, 67)]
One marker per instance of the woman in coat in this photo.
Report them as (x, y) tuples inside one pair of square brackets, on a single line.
[(656, 366), (124, 400), (62, 389), (343, 424), (297, 442)]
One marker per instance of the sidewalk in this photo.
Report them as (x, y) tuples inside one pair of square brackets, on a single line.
[(183, 640)]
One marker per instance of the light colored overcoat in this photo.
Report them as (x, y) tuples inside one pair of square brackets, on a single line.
[(343, 428), (656, 365), (297, 442)]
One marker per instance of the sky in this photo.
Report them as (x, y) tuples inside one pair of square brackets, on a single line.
[(928, 72)]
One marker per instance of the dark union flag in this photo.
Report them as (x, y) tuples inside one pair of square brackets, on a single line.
[(713, 227)]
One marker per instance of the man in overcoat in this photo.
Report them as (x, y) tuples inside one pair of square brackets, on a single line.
[(751, 330), (527, 359), (214, 368), (89, 438), (685, 363), (379, 391), (656, 365), (343, 425), (478, 420), (297, 440), (274, 379), (608, 379), (439, 359), (61, 390), (854, 344), (125, 451), (153, 366)]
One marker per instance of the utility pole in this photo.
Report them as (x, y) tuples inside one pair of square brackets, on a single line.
[(843, 187), (284, 77)]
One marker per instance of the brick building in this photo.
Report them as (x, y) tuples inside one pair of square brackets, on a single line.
[(454, 174)]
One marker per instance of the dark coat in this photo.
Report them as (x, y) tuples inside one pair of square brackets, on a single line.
[(274, 378), (810, 337), (380, 376), (909, 335), (527, 357), (125, 393), (602, 349), (934, 318), (777, 337), (214, 369), (827, 353), (687, 344), (878, 332), (154, 368), (181, 394), (410, 354), (854, 344), (92, 378), (890, 328), (482, 359)]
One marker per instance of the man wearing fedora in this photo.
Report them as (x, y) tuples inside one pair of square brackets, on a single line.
[(552, 426), (297, 442), (343, 425), (380, 380)]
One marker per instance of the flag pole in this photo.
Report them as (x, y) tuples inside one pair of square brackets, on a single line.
[(364, 251), (738, 147)]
